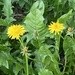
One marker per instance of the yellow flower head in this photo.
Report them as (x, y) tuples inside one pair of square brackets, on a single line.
[(56, 27), (15, 31)]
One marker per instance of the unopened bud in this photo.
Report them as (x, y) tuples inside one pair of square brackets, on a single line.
[(69, 29)]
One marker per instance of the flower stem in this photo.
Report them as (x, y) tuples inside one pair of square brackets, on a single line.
[(57, 44), (26, 57), (21, 43), (26, 64), (64, 65)]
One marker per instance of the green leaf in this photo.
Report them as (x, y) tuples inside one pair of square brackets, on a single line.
[(2, 22), (65, 17), (69, 51), (5, 22), (66, 40), (6, 60), (45, 72), (34, 21), (72, 4), (21, 3), (17, 68), (5, 57), (7, 9), (48, 60), (38, 63), (69, 45), (58, 2)]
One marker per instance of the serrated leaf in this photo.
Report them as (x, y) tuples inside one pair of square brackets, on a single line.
[(7, 8), (34, 21), (45, 72), (48, 60), (5, 57), (65, 17), (7, 11)]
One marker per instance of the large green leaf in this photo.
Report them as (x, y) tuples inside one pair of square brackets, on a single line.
[(45, 72), (48, 60), (34, 21), (65, 17)]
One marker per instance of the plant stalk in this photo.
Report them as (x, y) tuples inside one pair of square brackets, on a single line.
[(27, 72), (64, 65), (26, 57)]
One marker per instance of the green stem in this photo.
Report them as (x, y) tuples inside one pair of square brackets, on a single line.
[(32, 59), (57, 44), (21, 43), (64, 65), (62, 37), (26, 63), (57, 39), (26, 57)]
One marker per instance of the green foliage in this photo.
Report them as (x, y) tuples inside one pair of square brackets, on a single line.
[(69, 50), (45, 72), (17, 68), (34, 22), (72, 4), (5, 59), (7, 8), (7, 12), (65, 17), (24, 3), (46, 53), (5, 56), (49, 60)]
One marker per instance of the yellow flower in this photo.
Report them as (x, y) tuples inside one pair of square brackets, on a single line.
[(15, 31), (56, 27)]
